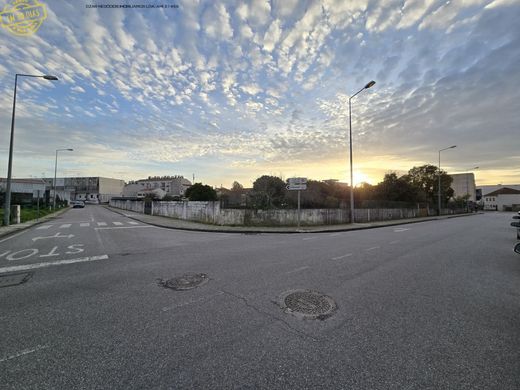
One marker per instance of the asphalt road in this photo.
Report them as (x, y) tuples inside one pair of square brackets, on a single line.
[(432, 305)]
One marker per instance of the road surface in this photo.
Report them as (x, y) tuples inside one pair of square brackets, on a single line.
[(432, 305)]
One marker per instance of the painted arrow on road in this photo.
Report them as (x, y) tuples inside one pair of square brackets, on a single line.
[(57, 235)]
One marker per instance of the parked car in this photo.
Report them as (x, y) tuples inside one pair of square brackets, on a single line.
[(77, 204)]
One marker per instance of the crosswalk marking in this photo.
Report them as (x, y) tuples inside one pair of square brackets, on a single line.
[(84, 224), (43, 227), (118, 223), (133, 223), (65, 226), (102, 224)]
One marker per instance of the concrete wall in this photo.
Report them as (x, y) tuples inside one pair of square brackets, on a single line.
[(130, 205), (210, 212)]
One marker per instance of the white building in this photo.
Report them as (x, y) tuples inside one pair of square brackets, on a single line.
[(26, 189), (172, 185), (464, 184), (504, 199)]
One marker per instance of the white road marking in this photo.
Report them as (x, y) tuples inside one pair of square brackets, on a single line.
[(399, 230), (133, 223), (394, 242), (118, 223), (23, 352), (334, 234), (125, 227), (13, 236), (65, 226), (297, 270), (342, 257), (374, 247), (52, 263), (43, 227), (102, 224), (84, 224), (310, 238), (57, 235)]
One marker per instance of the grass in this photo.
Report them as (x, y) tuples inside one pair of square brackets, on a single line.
[(30, 213)]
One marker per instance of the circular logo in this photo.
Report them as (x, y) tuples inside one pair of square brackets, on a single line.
[(23, 17)]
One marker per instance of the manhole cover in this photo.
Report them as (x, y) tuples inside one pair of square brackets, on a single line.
[(307, 304), (8, 280), (185, 282)]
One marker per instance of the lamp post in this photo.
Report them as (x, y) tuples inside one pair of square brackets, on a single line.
[(450, 147), (7, 200), (55, 170), (370, 84)]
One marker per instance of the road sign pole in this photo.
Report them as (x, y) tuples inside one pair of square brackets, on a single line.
[(299, 209)]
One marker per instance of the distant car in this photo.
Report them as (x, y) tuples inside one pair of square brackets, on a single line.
[(92, 201), (77, 204)]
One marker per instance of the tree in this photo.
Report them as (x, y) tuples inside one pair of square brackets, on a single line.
[(268, 192), (201, 192), (395, 189), (426, 181), (236, 186)]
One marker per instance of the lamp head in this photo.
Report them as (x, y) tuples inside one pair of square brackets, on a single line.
[(49, 77), (370, 84)]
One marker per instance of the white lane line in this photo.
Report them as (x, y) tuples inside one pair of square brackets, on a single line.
[(65, 226), (374, 247), (394, 242), (13, 236), (102, 224), (310, 238), (124, 227), (399, 230), (84, 224), (334, 234), (23, 352), (133, 223), (118, 223), (297, 270), (43, 227), (342, 257), (52, 263)]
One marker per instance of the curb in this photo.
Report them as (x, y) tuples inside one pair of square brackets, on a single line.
[(30, 224), (353, 228)]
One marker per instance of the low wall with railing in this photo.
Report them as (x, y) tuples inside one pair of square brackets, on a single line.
[(212, 213)]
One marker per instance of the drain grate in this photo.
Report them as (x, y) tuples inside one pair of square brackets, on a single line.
[(185, 282), (14, 279), (307, 304)]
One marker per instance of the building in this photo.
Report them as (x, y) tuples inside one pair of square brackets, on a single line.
[(91, 189), (172, 185), (503, 199), (464, 184), (24, 191)]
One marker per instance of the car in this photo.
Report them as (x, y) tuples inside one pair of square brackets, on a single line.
[(77, 204)]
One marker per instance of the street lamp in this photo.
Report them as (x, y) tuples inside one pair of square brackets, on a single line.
[(55, 170), (370, 84), (450, 147), (7, 200)]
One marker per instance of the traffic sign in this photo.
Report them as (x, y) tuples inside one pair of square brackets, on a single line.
[(297, 181), (296, 187)]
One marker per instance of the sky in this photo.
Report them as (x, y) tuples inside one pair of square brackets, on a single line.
[(232, 90)]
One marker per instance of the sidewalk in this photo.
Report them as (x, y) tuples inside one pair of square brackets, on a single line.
[(12, 229), (172, 223)]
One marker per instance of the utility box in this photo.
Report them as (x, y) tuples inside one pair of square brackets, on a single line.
[(15, 213)]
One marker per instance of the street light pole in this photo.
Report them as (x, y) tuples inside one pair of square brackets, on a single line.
[(55, 170), (439, 195), (7, 200), (370, 84)]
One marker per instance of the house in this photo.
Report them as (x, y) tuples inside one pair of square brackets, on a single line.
[(172, 185), (92, 189), (503, 199)]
